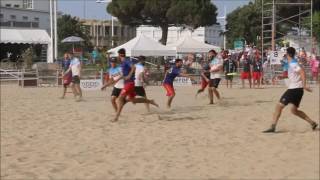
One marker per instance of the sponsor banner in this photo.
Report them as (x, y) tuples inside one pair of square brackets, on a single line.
[(91, 84), (182, 81)]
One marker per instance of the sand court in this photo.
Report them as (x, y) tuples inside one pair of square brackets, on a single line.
[(44, 137)]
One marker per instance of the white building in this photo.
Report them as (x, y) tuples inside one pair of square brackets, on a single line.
[(25, 14), (25, 22), (209, 34)]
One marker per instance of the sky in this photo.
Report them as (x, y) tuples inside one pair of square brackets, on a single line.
[(89, 9)]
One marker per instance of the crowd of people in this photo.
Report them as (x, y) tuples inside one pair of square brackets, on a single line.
[(127, 76)]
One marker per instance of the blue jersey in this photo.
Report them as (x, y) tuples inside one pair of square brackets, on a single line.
[(172, 73), (116, 71), (66, 64), (126, 67)]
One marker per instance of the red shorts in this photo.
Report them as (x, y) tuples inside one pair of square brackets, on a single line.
[(285, 74), (315, 74), (128, 90), (67, 79), (169, 88), (257, 75), (245, 75), (204, 83)]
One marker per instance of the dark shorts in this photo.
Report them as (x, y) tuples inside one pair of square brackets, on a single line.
[(140, 91), (75, 80), (116, 92), (229, 77), (292, 96), (214, 82)]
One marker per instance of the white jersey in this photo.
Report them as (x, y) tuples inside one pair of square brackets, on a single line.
[(294, 76), (75, 66), (115, 74), (139, 70), (214, 64)]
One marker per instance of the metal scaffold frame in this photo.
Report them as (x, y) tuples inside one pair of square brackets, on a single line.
[(269, 21)]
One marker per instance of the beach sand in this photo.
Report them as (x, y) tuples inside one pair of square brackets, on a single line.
[(44, 137)]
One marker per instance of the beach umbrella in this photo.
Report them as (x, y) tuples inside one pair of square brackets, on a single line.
[(72, 39)]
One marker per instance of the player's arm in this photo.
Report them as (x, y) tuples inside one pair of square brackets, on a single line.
[(186, 75), (133, 69), (110, 82), (204, 76), (303, 78)]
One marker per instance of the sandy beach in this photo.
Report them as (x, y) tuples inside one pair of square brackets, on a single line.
[(44, 137)]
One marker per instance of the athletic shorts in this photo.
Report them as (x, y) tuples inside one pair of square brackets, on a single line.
[(204, 83), (116, 92), (169, 88), (214, 82), (229, 77), (292, 96), (67, 79), (256, 75), (140, 91), (128, 90), (245, 75), (75, 79)]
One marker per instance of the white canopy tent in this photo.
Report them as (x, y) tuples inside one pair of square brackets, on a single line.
[(142, 45), (26, 36), (189, 45)]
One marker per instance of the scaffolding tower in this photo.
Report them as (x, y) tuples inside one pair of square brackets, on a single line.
[(270, 19)]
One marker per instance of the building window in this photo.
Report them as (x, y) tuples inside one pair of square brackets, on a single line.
[(36, 19), (13, 17), (25, 18), (8, 5), (16, 6), (106, 28), (115, 30), (1, 15), (28, 4)]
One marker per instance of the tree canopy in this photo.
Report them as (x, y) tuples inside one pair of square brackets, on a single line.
[(164, 13), (71, 26)]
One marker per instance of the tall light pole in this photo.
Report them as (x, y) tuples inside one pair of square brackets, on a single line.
[(51, 34), (55, 30), (224, 26), (112, 20)]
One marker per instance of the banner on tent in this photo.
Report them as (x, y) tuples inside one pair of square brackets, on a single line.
[(276, 57), (91, 84), (182, 81)]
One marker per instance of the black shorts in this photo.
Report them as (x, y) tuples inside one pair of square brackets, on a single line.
[(214, 82), (140, 91), (229, 77), (75, 80), (292, 96), (116, 92)]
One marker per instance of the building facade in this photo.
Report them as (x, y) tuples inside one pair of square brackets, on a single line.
[(101, 32), (210, 34), (25, 14)]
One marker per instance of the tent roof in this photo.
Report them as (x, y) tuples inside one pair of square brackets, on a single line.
[(189, 45), (142, 45), (24, 36)]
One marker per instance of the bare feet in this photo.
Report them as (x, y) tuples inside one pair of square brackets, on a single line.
[(115, 119)]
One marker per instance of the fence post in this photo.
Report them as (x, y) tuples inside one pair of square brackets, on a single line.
[(57, 77), (37, 75), (22, 81)]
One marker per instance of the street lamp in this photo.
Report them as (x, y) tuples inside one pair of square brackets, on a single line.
[(112, 18)]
